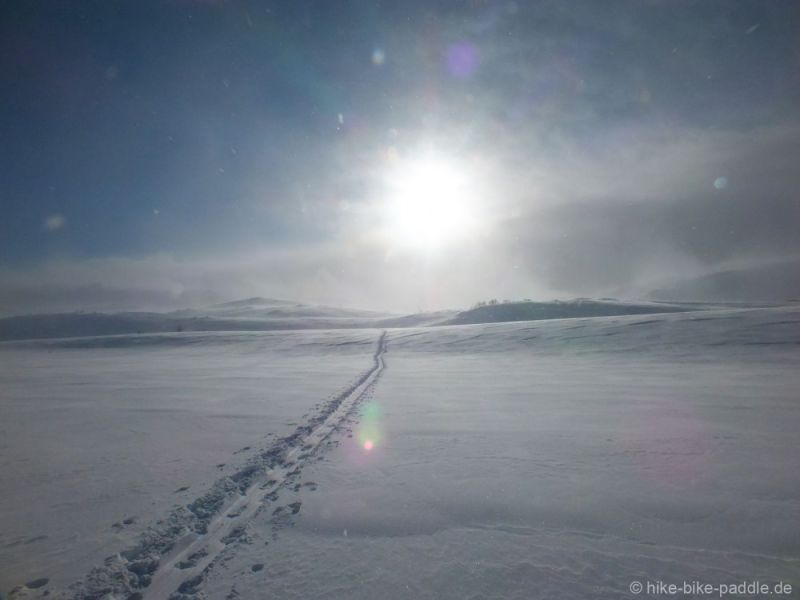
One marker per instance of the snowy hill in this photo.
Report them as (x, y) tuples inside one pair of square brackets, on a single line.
[(252, 314), (535, 311), (264, 314), (269, 308), (521, 456)]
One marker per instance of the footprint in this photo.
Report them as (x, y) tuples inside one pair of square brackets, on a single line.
[(192, 559), (190, 585), (119, 526), (37, 583), (38, 538), (233, 594), (233, 535)]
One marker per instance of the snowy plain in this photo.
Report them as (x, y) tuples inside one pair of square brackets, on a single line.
[(549, 459), (100, 431)]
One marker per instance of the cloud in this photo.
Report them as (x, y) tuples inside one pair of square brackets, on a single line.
[(641, 215), (361, 275), (646, 209), (599, 138)]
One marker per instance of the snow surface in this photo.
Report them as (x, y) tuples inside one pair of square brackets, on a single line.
[(97, 431), (268, 308), (556, 466), (583, 307), (263, 314), (549, 459)]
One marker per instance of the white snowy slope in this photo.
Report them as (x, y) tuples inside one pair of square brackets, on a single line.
[(560, 459), (530, 310), (100, 437), (264, 314), (253, 314), (553, 459), (269, 308)]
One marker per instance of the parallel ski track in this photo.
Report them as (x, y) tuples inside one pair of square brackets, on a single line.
[(168, 579)]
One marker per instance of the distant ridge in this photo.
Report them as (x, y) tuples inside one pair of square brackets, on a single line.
[(558, 309), (254, 301), (265, 314)]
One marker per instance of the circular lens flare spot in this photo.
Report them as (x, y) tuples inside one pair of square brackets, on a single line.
[(462, 60), (368, 445)]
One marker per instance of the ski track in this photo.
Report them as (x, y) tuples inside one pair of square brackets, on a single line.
[(171, 560)]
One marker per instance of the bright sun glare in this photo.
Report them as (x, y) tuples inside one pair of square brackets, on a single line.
[(430, 204)]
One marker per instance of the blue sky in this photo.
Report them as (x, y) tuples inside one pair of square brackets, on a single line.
[(200, 150)]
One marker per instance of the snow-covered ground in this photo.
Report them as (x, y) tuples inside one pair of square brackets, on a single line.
[(551, 459), (96, 432), (264, 314)]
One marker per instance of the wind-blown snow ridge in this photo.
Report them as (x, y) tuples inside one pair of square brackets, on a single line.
[(542, 311), (258, 314), (254, 301), (171, 558)]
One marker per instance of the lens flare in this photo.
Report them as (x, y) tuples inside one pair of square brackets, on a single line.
[(369, 429), (462, 60)]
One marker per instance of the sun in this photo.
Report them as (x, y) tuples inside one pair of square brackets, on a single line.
[(430, 203)]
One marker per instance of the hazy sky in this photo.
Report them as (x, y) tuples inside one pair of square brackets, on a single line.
[(176, 152)]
